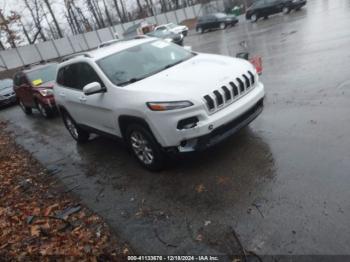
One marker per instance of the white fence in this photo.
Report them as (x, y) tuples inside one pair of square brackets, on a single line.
[(17, 57)]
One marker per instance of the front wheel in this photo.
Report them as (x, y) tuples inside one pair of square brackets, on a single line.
[(286, 10), (26, 110), (44, 111), (144, 147), (76, 132), (254, 18), (222, 26)]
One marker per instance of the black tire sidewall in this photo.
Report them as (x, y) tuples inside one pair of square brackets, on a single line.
[(158, 162), (83, 136)]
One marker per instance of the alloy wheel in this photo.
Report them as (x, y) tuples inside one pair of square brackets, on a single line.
[(141, 148)]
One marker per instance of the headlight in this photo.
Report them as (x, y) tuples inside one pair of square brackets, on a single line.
[(165, 106), (46, 92), (169, 40)]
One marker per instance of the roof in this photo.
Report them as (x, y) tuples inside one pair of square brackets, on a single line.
[(37, 67), (109, 50)]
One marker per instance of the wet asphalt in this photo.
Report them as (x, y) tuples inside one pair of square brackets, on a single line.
[(282, 183)]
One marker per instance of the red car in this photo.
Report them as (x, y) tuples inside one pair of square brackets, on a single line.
[(33, 87)]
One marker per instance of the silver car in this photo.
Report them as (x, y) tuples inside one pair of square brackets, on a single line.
[(7, 95)]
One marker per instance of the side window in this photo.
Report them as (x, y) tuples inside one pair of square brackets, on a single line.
[(68, 76), (88, 75)]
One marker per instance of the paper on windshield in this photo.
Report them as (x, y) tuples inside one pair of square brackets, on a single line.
[(37, 82)]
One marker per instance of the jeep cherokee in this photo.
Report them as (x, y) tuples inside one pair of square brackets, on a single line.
[(157, 96)]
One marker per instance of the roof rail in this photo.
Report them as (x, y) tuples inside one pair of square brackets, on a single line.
[(28, 66), (68, 57)]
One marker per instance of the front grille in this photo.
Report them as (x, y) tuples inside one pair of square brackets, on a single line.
[(226, 94)]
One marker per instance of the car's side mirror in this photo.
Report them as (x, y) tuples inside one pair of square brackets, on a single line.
[(93, 88)]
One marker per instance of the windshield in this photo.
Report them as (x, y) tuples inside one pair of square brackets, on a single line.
[(171, 26), (43, 75), (5, 84), (141, 61)]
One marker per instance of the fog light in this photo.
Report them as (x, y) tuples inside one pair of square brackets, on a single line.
[(187, 123)]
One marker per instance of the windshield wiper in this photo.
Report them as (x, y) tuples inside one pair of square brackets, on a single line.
[(131, 80), (174, 64)]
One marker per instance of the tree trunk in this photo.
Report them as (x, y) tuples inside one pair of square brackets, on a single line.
[(121, 17), (59, 31)]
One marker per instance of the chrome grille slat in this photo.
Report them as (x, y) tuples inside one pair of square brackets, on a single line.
[(227, 94)]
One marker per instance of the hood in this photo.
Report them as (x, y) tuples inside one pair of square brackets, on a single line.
[(6, 91), (47, 85), (195, 77)]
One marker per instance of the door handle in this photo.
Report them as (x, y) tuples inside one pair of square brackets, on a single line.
[(82, 99)]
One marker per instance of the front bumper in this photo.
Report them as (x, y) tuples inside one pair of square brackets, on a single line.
[(48, 102), (225, 131), (186, 140), (8, 101)]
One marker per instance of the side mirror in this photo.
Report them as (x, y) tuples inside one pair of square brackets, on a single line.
[(188, 48), (93, 88)]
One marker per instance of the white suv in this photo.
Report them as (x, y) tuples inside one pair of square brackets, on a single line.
[(157, 96)]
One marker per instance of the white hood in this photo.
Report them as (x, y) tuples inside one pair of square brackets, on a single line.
[(198, 76)]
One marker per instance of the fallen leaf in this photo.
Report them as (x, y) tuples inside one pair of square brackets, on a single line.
[(35, 231), (200, 188)]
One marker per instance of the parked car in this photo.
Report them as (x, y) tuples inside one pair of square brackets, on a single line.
[(7, 94), (290, 5), (140, 28), (157, 96), (215, 21), (33, 87), (177, 29), (168, 36), (265, 8)]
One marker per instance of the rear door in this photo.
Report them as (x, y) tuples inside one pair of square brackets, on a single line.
[(69, 90)]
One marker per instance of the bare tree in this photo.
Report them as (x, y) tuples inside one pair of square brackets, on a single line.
[(5, 23), (48, 5), (37, 15)]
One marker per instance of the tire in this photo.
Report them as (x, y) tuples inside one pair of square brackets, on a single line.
[(286, 10), (75, 131), (144, 147), (222, 26), (26, 110), (44, 111), (200, 30), (254, 18)]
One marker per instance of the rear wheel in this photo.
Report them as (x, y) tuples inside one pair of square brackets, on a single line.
[(144, 147), (76, 132), (44, 111), (26, 110), (200, 30)]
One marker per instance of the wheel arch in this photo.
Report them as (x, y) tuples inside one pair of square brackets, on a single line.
[(125, 120)]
